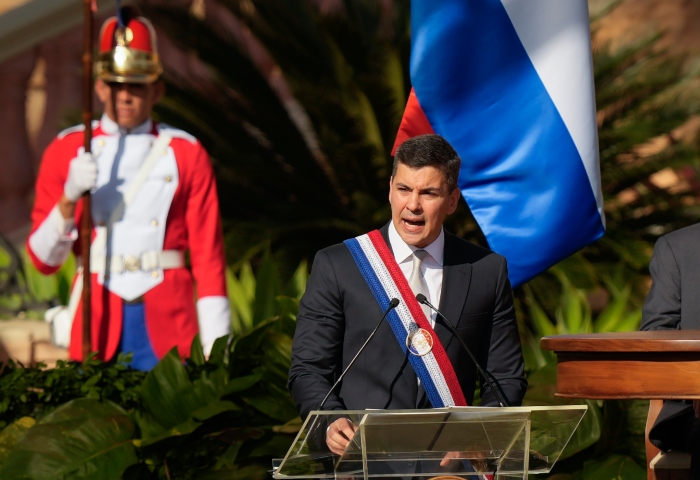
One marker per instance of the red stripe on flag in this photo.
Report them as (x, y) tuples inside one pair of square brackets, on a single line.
[(417, 312), (413, 123)]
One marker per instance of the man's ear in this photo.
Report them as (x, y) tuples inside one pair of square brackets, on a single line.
[(102, 90), (391, 182), (453, 201), (158, 90)]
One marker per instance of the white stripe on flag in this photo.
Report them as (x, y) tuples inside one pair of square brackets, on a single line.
[(556, 36)]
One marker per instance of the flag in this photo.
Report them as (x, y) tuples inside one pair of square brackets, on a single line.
[(509, 84)]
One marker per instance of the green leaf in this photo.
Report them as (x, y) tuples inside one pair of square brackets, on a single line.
[(248, 281), (578, 270), (196, 352), (13, 433), (267, 288), (543, 326), (240, 384), (297, 284), (213, 409), (241, 301), (273, 402), (613, 467), (249, 472), (574, 313), (614, 318), (219, 350), (83, 439), (535, 357), (169, 397), (42, 287), (228, 459)]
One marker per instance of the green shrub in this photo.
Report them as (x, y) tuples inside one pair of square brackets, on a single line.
[(222, 417)]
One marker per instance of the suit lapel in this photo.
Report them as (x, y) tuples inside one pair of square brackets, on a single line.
[(456, 277)]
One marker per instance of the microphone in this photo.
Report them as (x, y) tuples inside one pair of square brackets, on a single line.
[(393, 303), (484, 374), (313, 429)]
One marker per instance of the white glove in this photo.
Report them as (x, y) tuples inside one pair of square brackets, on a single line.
[(82, 176), (214, 320)]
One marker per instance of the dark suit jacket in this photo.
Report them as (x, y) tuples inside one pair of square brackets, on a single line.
[(673, 303), (338, 312)]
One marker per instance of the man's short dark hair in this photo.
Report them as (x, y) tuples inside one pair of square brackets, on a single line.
[(429, 151)]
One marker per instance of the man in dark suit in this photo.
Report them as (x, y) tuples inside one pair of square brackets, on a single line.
[(468, 283), (674, 304)]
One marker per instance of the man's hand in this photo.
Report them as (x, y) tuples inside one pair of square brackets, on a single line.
[(449, 456), (82, 176), (339, 435)]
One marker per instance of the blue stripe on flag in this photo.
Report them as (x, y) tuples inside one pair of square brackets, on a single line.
[(522, 176)]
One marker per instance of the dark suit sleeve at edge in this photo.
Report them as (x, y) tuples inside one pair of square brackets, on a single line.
[(318, 340), (662, 307), (505, 358)]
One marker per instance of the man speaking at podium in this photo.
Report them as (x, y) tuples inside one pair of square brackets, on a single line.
[(413, 361)]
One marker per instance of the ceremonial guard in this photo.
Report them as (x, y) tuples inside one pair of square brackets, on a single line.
[(157, 240)]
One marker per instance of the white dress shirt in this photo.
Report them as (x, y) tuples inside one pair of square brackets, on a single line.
[(431, 267)]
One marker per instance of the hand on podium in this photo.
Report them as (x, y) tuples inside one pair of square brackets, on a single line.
[(449, 464), (339, 434), (449, 456)]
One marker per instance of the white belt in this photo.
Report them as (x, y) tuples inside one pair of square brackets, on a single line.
[(138, 263)]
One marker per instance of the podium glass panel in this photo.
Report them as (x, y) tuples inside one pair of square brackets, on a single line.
[(462, 441)]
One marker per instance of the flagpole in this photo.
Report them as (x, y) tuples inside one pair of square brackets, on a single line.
[(86, 220)]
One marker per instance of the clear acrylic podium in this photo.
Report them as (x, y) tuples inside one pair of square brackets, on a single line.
[(504, 442)]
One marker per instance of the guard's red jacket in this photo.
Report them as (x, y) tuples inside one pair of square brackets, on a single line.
[(175, 210)]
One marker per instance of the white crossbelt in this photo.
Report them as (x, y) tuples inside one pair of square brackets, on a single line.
[(145, 262)]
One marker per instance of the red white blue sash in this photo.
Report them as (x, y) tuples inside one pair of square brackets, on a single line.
[(386, 281)]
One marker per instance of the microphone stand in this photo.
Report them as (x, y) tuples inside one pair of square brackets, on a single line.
[(393, 303), (486, 375)]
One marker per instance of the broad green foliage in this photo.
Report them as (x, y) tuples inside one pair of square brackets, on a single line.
[(612, 467), (222, 417), (255, 298), (192, 419), (25, 291), (82, 439)]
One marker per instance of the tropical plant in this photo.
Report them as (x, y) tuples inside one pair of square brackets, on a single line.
[(222, 417), (23, 290)]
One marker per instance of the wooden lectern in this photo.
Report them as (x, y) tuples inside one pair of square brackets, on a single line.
[(662, 364)]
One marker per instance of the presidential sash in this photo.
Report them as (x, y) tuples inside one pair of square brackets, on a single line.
[(408, 322), (410, 325)]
